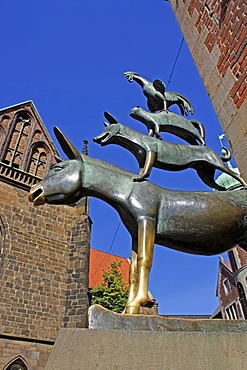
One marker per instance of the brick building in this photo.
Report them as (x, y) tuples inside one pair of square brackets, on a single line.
[(216, 34), (232, 274), (232, 286), (44, 251)]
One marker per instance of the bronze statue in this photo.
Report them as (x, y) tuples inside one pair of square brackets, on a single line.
[(151, 152), (203, 223), (191, 131), (157, 97)]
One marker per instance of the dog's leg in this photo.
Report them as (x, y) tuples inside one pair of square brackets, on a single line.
[(146, 237), (149, 161), (157, 131), (199, 126), (206, 173)]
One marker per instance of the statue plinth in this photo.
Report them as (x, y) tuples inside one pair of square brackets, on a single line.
[(100, 318), (115, 341)]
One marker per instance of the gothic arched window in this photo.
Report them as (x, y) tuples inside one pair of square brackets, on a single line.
[(2, 242), (18, 140), (37, 165), (2, 137), (17, 364)]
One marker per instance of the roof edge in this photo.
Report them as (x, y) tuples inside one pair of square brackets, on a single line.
[(30, 102)]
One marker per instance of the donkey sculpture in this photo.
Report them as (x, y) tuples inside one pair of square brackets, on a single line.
[(151, 152), (203, 223), (191, 131)]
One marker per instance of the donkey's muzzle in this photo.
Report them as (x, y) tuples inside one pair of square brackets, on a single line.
[(36, 195)]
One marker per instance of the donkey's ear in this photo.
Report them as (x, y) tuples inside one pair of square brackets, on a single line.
[(66, 145), (110, 118)]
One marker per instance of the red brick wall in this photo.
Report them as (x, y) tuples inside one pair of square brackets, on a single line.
[(225, 299), (216, 34), (242, 254), (226, 28)]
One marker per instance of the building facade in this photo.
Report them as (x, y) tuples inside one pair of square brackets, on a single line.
[(232, 286), (216, 34), (44, 252), (232, 274)]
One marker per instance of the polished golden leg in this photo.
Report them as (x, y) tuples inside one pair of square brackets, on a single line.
[(146, 237), (133, 278)]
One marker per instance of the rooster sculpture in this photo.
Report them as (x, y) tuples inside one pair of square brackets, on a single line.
[(157, 96)]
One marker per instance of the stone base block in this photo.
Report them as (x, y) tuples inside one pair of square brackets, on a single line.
[(79, 349), (98, 317), (121, 342)]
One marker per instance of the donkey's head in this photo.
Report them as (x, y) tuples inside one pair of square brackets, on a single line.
[(111, 130), (63, 183)]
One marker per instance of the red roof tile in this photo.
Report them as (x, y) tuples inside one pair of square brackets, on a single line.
[(100, 262)]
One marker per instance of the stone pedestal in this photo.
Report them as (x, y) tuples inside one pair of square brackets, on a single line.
[(112, 341), (100, 318)]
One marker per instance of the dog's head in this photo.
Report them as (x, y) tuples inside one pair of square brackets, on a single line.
[(111, 130)]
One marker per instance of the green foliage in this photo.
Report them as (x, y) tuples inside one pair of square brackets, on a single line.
[(113, 292)]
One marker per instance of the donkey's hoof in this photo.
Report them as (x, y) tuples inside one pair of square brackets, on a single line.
[(132, 310), (139, 179)]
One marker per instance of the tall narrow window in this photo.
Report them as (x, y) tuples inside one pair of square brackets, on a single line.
[(18, 141), (227, 286), (231, 312), (2, 137), (38, 162), (4, 125), (2, 241)]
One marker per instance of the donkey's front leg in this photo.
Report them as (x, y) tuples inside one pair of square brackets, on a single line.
[(146, 237)]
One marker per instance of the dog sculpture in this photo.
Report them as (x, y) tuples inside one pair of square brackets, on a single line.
[(191, 131), (203, 223), (151, 152)]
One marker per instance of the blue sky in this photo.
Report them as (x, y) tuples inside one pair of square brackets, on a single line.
[(69, 57)]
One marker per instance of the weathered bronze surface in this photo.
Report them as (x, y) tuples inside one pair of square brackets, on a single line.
[(151, 152), (98, 317), (193, 222), (157, 97), (191, 131)]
